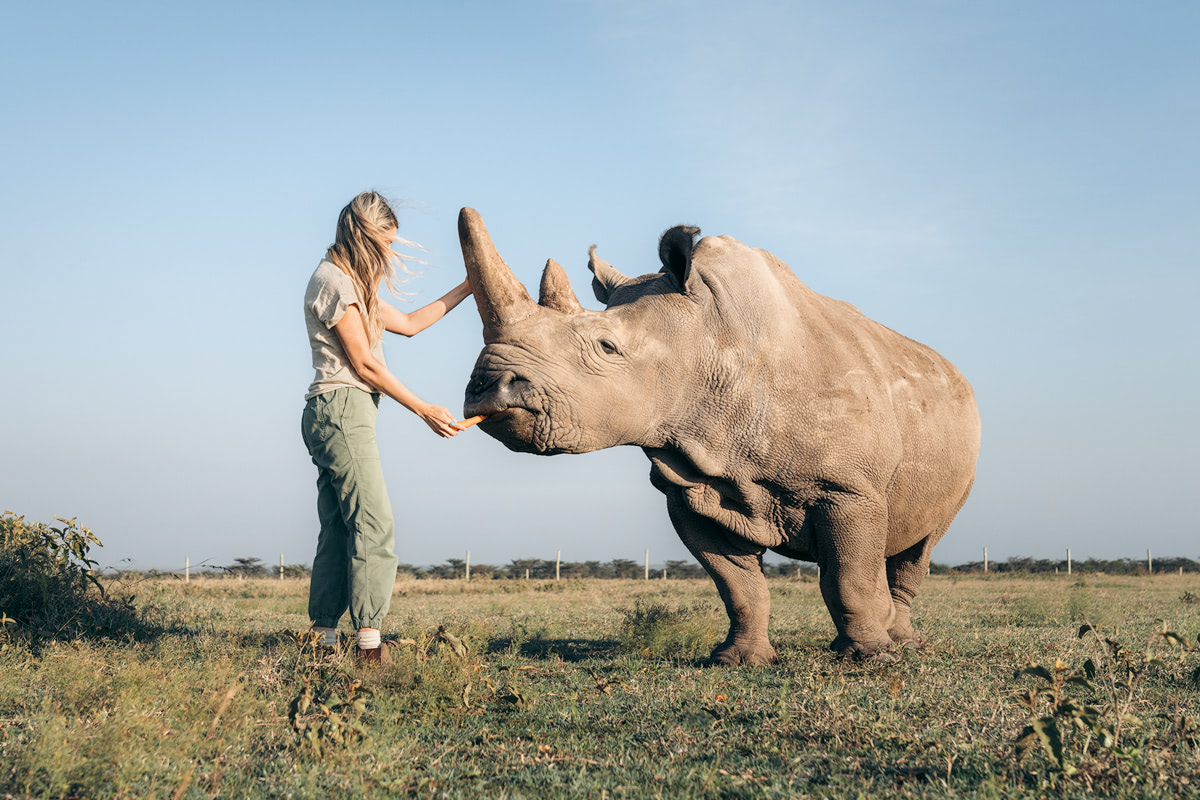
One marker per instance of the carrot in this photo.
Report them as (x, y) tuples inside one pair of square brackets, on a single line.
[(466, 423)]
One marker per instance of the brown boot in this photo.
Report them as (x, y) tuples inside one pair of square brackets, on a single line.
[(376, 656)]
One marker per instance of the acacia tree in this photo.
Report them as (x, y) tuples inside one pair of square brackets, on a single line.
[(247, 568), (625, 568), (685, 569), (453, 568)]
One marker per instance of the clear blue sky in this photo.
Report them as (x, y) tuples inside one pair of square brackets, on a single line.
[(1016, 185)]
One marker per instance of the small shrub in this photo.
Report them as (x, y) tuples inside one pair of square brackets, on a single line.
[(1083, 718), (329, 709), (47, 584), (656, 631), (433, 674)]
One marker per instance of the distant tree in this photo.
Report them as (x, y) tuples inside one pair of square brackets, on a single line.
[(537, 567), (786, 569), (597, 569), (453, 568), (684, 569), (293, 571), (579, 569), (409, 571), (483, 572), (624, 568), (247, 568)]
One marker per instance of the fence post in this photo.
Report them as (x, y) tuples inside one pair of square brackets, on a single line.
[(187, 569), (985, 561), (557, 564), (468, 565)]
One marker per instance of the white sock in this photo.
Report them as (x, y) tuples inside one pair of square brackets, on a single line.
[(369, 639), (329, 637)]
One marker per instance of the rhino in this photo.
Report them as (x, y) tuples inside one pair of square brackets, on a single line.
[(774, 418)]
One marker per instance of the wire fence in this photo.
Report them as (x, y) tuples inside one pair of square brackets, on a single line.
[(556, 569)]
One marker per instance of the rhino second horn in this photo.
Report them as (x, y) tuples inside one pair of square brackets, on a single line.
[(556, 292), (500, 297)]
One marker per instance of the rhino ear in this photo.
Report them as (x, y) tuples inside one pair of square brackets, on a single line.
[(675, 252), (605, 277)]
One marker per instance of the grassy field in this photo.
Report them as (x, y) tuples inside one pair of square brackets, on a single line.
[(596, 689)]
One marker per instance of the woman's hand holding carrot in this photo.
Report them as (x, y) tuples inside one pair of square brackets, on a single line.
[(439, 419)]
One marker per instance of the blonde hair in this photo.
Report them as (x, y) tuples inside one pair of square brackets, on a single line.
[(362, 248)]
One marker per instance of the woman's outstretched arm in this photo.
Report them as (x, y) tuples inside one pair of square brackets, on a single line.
[(396, 321), (353, 336)]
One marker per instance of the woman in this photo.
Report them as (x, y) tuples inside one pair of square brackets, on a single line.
[(355, 566)]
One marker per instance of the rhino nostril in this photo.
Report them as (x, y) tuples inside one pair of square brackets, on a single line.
[(498, 384), (510, 384)]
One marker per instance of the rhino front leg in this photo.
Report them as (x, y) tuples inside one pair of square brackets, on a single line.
[(736, 569), (854, 581)]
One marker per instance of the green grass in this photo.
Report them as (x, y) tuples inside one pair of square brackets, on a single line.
[(588, 689)]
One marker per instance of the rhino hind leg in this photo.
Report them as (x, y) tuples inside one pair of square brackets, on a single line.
[(905, 572), (737, 572), (854, 578)]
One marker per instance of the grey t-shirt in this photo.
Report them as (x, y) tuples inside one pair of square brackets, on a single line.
[(328, 294)]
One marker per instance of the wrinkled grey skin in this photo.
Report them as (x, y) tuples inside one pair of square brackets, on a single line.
[(774, 418)]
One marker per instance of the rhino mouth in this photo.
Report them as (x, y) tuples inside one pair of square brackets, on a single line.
[(514, 427)]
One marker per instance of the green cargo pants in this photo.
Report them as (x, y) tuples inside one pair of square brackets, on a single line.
[(355, 566)]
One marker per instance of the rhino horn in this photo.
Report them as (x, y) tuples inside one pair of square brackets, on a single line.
[(605, 277), (501, 298), (556, 292)]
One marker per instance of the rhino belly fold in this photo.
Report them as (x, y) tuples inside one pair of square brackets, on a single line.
[(747, 511), (800, 540)]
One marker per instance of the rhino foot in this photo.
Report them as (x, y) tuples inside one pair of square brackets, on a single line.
[(876, 650), (907, 638), (731, 655)]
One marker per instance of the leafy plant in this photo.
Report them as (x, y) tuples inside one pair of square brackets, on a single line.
[(329, 708), (49, 585), (654, 630), (1071, 729), (325, 715)]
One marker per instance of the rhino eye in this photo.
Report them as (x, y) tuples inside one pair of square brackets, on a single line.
[(609, 348)]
